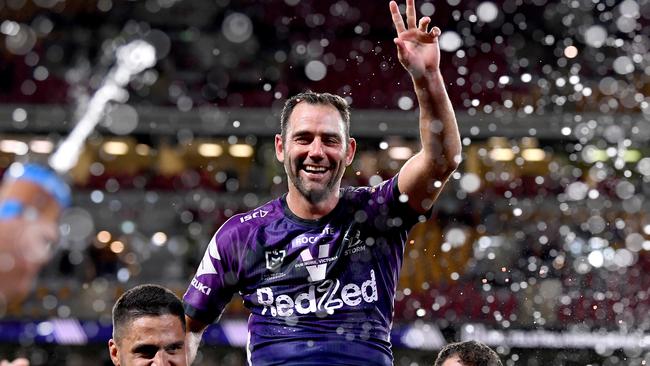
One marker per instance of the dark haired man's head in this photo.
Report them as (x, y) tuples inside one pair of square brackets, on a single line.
[(314, 98), (145, 300), (315, 145), (469, 353), (148, 328)]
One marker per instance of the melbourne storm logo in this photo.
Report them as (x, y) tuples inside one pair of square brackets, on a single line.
[(274, 259)]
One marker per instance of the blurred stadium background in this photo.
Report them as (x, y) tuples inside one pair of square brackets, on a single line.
[(539, 246)]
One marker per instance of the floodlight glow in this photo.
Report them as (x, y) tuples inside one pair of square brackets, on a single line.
[(533, 154), (241, 150), (210, 150), (502, 154), (115, 148)]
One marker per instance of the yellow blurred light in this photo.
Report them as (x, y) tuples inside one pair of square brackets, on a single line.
[(210, 150), (115, 148), (502, 154), (117, 247), (41, 146), (142, 149), (103, 236), (400, 152), (241, 150), (598, 155), (14, 147), (533, 154), (632, 156)]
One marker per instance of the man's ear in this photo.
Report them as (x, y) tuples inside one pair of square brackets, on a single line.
[(114, 352), (279, 148), (352, 148)]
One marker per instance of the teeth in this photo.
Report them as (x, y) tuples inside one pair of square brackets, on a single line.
[(317, 169)]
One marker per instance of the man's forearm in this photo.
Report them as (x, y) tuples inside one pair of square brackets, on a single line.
[(192, 341), (438, 127)]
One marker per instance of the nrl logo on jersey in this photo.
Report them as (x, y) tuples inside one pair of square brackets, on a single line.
[(254, 215), (274, 259)]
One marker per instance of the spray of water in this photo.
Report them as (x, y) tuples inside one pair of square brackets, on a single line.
[(132, 59)]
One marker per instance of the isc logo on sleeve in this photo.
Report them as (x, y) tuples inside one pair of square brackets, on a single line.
[(254, 215)]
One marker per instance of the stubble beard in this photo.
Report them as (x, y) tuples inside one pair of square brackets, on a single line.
[(312, 195)]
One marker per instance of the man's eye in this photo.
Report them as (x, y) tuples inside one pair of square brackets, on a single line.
[(146, 352), (173, 349), (147, 355)]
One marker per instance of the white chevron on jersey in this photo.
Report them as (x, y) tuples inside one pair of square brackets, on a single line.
[(317, 272), (206, 266)]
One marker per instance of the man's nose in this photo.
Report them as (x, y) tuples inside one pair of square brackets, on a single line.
[(316, 149), (161, 359)]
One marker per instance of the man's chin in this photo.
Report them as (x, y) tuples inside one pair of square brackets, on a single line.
[(315, 194)]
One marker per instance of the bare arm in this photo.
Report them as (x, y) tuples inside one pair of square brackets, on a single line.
[(193, 332), (424, 175)]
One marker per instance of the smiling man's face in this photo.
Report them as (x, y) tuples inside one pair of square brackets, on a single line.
[(151, 341), (315, 150)]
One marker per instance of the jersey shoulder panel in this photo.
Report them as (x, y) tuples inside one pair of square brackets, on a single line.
[(257, 217), (378, 194)]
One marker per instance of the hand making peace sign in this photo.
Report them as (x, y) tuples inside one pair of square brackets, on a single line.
[(417, 47)]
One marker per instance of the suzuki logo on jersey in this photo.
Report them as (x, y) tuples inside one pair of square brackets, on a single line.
[(200, 287), (274, 259), (322, 298), (254, 215), (317, 268)]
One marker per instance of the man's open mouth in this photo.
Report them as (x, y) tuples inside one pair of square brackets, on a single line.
[(314, 169)]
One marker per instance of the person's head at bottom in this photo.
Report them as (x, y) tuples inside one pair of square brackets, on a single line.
[(468, 353), (148, 328)]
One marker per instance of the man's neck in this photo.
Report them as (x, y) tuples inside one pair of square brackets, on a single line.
[(307, 210)]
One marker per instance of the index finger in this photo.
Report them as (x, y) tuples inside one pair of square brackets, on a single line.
[(397, 17)]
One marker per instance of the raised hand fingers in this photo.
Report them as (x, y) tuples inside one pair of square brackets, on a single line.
[(424, 23), (397, 17), (410, 14)]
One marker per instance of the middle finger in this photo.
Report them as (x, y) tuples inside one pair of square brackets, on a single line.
[(410, 14)]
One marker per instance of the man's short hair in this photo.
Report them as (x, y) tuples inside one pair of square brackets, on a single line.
[(145, 300), (470, 353), (315, 98)]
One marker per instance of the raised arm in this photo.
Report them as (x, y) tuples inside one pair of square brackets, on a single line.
[(424, 175), (193, 333)]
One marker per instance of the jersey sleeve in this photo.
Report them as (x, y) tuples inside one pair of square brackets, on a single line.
[(390, 203), (216, 279)]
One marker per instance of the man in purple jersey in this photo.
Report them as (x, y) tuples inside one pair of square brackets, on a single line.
[(319, 266)]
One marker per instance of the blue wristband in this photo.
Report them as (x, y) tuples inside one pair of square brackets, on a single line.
[(10, 209)]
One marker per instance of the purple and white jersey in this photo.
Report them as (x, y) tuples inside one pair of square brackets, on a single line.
[(320, 292)]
